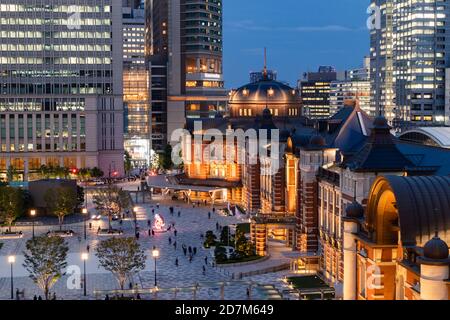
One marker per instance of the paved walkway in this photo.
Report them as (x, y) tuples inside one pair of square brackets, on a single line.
[(191, 223)]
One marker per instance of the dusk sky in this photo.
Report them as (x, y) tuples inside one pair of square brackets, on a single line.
[(299, 35)]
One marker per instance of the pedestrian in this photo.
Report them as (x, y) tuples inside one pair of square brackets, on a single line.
[(184, 251), (138, 297), (153, 211), (35, 297), (201, 236), (175, 245), (190, 249), (107, 297), (204, 270), (54, 296), (195, 250), (90, 225), (130, 285), (153, 233), (170, 240), (214, 210), (121, 222), (176, 262), (87, 248), (190, 258), (206, 260), (209, 215), (39, 298), (179, 214), (149, 223), (175, 232), (137, 235), (17, 293), (217, 226), (149, 232), (248, 293)]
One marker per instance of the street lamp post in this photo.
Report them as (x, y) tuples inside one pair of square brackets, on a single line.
[(155, 254), (32, 214), (84, 212), (12, 260), (135, 209), (84, 257)]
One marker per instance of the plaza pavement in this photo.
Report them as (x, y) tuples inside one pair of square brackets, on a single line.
[(191, 223)]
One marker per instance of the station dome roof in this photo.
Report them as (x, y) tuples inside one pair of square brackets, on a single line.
[(265, 91)]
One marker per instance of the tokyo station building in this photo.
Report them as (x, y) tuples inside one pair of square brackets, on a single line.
[(326, 169)]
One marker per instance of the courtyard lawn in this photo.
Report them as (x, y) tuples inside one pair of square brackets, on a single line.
[(308, 283)]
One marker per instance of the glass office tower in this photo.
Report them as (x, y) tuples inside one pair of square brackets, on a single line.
[(60, 85)]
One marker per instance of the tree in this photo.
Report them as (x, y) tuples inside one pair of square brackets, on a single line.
[(225, 236), (165, 159), (80, 197), (127, 162), (45, 259), (96, 173), (220, 254), (12, 174), (124, 200), (61, 202), (111, 201), (12, 204), (210, 239), (122, 257), (243, 246), (84, 174)]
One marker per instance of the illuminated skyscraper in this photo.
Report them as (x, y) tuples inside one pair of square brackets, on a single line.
[(136, 84), (315, 92), (409, 58), (184, 45), (61, 85)]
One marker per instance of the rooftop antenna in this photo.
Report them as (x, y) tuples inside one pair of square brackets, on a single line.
[(265, 63)]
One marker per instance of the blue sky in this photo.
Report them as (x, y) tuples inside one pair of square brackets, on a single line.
[(299, 35)]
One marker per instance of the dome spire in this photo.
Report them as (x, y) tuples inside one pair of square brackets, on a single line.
[(265, 73)]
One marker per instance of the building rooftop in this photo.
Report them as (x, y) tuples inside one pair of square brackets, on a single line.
[(436, 136)]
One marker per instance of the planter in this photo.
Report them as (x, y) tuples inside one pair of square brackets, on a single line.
[(61, 233), (107, 232), (11, 235)]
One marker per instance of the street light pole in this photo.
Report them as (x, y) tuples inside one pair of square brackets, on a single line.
[(84, 257), (155, 254), (135, 219), (84, 211), (32, 214), (11, 260), (156, 284)]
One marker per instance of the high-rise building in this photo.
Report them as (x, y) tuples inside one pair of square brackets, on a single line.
[(409, 57), (61, 85), (381, 61), (354, 89), (136, 84), (350, 92), (315, 92), (184, 46)]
